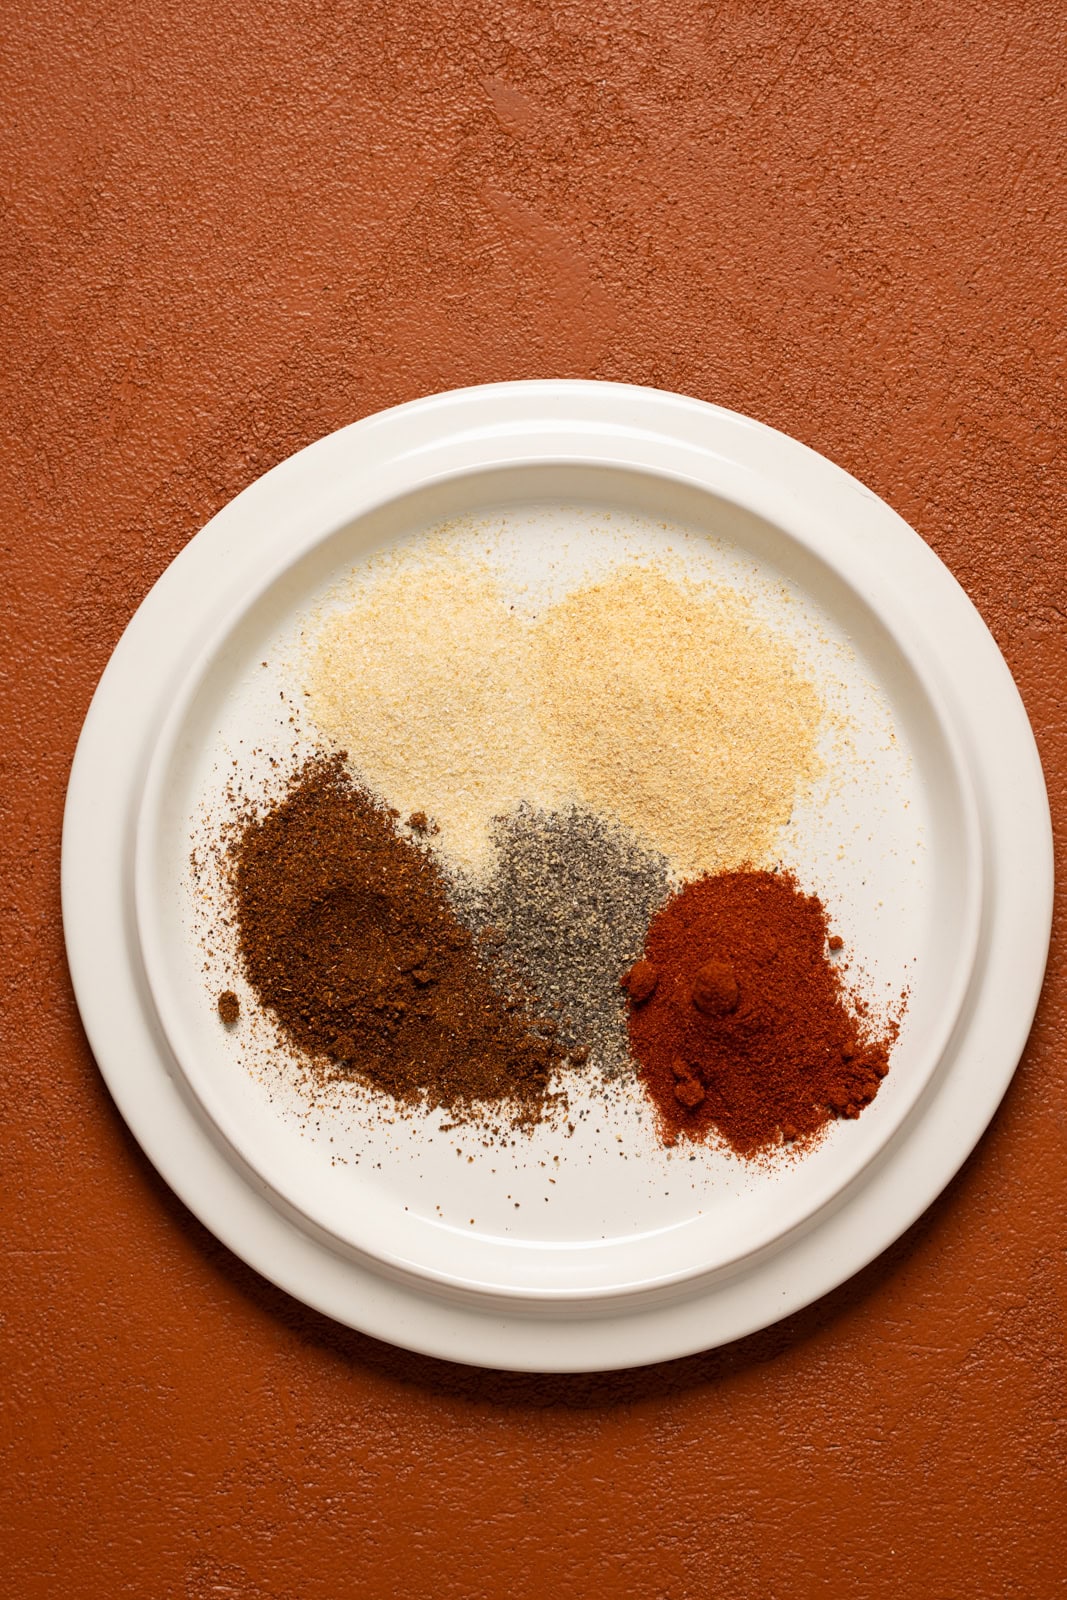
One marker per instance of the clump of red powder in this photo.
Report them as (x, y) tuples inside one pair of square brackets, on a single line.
[(739, 1020)]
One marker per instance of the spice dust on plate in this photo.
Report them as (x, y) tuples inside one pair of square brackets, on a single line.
[(528, 841)]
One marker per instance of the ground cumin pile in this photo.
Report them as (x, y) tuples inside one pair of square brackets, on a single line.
[(347, 938)]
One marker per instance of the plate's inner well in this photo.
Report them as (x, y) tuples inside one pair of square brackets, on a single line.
[(592, 1202)]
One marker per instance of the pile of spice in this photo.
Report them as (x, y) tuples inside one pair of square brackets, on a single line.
[(425, 682), (347, 937), (739, 1021), (566, 906), (675, 708)]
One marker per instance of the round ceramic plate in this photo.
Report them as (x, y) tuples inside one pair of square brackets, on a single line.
[(890, 838), (930, 846)]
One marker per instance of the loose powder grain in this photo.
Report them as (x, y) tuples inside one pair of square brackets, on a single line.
[(675, 708), (228, 1007)]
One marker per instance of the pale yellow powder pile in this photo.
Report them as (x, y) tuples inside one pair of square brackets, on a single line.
[(672, 706), (425, 682)]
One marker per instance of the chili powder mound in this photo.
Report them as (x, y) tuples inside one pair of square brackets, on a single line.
[(347, 938), (747, 1031)]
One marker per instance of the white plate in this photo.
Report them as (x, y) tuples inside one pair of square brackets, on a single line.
[(624, 1269), (606, 1211)]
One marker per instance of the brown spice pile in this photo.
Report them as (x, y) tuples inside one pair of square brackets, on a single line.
[(347, 937)]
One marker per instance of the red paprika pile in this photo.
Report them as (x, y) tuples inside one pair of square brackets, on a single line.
[(739, 1020)]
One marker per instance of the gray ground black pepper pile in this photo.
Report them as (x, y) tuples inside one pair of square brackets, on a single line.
[(567, 907)]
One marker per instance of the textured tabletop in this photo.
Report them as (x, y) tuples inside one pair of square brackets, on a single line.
[(229, 230)]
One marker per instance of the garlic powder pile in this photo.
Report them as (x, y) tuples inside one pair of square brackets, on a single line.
[(673, 707), (425, 682)]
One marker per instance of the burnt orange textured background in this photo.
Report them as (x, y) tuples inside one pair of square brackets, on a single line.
[(230, 229)]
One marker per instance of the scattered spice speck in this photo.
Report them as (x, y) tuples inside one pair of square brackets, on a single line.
[(228, 1007)]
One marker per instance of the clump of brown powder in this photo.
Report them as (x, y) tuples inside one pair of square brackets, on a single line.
[(347, 937), (228, 1007)]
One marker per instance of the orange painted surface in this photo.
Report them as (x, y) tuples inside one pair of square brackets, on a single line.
[(228, 230)]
